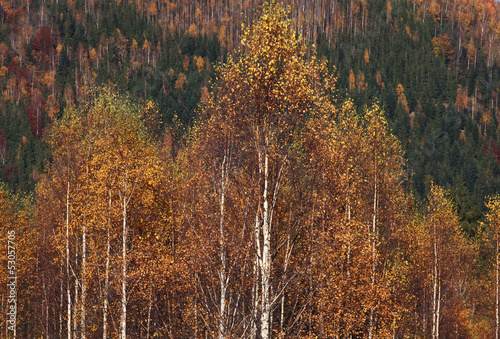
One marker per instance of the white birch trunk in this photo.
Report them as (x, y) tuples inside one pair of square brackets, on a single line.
[(149, 313), (287, 259), (266, 257), (123, 315), (45, 308), (373, 237), (435, 291), (75, 304), (68, 277), (61, 303), (256, 271), (84, 272), (106, 277), (255, 291), (222, 275), (438, 311)]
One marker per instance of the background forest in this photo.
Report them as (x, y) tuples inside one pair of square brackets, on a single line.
[(188, 169)]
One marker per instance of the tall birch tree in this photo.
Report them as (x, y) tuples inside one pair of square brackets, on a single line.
[(106, 173), (253, 122)]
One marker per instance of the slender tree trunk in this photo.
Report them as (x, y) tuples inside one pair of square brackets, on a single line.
[(474, 101), (195, 320), (435, 323), (106, 277), (222, 275), (256, 298), (425, 312), (490, 58), (373, 237), (255, 288), (123, 316), (266, 257), (282, 315), (68, 277), (149, 313), (287, 259), (75, 304), (84, 272), (438, 311), (45, 309), (84, 269)]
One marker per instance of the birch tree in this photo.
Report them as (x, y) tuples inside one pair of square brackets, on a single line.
[(110, 172), (357, 166), (447, 251), (125, 169), (252, 122)]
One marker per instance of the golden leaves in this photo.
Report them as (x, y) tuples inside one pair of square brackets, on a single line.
[(3, 71), (402, 98), (399, 90), (181, 81), (199, 62), (442, 46), (378, 78), (52, 107), (354, 158)]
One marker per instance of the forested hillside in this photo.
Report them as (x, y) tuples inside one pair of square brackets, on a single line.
[(245, 169), (432, 65)]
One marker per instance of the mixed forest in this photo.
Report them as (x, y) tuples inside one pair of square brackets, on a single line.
[(242, 169)]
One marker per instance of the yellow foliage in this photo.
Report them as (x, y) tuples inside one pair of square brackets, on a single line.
[(352, 80), (204, 95), (404, 104), (378, 78), (442, 45), (152, 9), (48, 80), (192, 31), (181, 81), (147, 46), (407, 30), (52, 107), (200, 64), (462, 100), (399, 90), (222, 36), (3, 71), (361, 85), (185, 63), (93, 54), (388, 7)]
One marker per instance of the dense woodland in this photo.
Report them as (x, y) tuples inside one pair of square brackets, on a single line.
[(319, 169)]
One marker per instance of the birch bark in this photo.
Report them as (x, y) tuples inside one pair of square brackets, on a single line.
[(106, 274), (223, 273), (68, 277), (124, 200)]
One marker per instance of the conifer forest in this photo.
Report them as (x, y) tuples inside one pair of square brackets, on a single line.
[(249, 169)]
